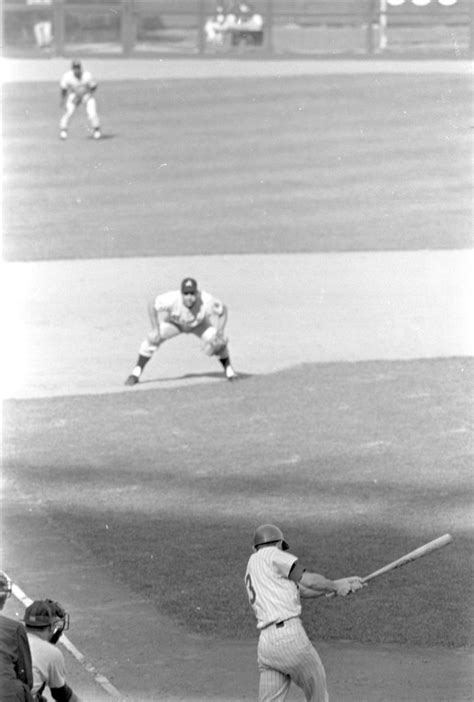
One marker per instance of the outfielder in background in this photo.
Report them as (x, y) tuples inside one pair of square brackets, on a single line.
[(16, 672), (78, 88), (275, 581), (186, 311)]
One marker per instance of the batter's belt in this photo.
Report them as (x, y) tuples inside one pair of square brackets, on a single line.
[(279, 623)]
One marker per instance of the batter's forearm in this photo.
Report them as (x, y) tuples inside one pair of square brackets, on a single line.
[(315, 585)]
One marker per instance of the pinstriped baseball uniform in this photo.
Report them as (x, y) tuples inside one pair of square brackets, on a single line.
[(285, 652)]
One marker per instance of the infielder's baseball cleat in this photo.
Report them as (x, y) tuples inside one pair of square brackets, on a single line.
[(230, 373), (63, 134), (97, 133), (131, 380)]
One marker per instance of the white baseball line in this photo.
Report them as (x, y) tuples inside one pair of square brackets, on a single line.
[(98, 677)]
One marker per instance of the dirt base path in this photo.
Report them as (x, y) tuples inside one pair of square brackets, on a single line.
[(25, 70)]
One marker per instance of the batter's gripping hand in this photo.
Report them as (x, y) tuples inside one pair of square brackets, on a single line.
[(347, 585)]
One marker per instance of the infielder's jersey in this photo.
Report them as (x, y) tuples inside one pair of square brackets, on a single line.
[(175, 311), (48, 663), (79, 87), (273, 597)]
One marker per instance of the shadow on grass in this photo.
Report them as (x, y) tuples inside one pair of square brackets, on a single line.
[(207, 556), (190, 376)]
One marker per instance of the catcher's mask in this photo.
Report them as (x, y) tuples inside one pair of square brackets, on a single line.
[(5, 586), (269, 534), (47, 613)]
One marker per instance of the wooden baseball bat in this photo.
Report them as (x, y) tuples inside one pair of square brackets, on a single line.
[(412, 556)]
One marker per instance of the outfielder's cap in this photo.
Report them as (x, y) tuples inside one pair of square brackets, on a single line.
[(39, 614), (269, 534), (189, 285), (76, 64)]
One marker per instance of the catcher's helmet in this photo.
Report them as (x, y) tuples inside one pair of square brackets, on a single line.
[(43, 613), (268, 534)]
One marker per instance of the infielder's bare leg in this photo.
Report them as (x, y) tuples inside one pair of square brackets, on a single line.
[(148, 348)]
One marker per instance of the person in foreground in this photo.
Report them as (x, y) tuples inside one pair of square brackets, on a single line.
[(16, 673), (186, 311), (275, 581), (45, 621)]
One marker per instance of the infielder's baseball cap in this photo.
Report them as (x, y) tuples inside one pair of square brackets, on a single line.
[(76, 64), (189, 285)]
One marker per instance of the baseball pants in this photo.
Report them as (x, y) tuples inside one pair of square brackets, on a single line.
[(205, 331), (286, 654), (71, 106)]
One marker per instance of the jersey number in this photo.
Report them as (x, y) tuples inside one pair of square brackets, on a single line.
[(250, 589)]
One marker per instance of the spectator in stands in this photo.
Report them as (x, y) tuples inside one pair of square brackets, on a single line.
[(248, 19), (216, 26)]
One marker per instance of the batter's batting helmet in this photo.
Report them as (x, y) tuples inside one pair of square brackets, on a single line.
[(269, 534)]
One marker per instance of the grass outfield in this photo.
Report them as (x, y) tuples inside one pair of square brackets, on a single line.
[(320, 163), (359, 463)]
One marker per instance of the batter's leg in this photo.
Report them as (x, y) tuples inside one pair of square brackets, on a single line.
[(273, 686), (310, 675), (147, 349)]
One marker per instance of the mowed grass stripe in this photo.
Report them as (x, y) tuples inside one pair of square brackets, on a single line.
[(359, 463), (313, 163)]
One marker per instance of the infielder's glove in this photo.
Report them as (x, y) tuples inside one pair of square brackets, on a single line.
[(213, 347)]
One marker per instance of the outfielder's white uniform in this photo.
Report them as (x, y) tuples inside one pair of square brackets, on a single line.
[(285, 652), (79, 91), (175, 318)]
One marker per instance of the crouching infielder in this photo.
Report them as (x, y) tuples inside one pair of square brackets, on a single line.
[(78, 88), (186, 311)]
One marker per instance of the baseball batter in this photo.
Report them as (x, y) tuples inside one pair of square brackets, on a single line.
[(186, 311), (78, 88), (275, 581)]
